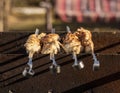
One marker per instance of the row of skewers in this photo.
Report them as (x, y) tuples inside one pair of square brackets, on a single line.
[(72, 43)]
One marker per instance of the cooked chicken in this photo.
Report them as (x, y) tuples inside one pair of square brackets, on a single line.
[(72, 45), (85, 37), (33, 46), (51, 45)]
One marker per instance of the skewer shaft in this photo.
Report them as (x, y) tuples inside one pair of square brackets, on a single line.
[(37, 31), (30, 64), (94, 57), (68, 29), (75, 58), (52, 57)]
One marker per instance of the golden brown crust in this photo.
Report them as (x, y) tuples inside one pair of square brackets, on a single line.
[(32, 44), (72, 43), (41, 35), (50, 38), (85, 37), (33, 39), (50, 44)]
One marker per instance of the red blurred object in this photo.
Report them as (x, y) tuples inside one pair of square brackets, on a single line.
[(109, 10), (61, 10)]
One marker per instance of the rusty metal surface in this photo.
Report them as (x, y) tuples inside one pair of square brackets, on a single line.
[(13, 59)]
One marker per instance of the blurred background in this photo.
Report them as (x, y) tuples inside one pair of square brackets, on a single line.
[(26, 15)]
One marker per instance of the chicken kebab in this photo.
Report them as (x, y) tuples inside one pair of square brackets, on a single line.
[(85, 37), (32, 46), (73, 46), (51, 46)]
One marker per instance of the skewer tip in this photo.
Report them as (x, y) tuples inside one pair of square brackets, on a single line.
[(68, 29), (37, 31), (53, 30)]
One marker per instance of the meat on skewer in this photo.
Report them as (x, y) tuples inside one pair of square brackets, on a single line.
[(51, 45), (32, 46), (73, 46), (85, 37)]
